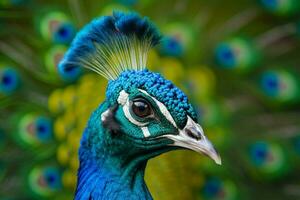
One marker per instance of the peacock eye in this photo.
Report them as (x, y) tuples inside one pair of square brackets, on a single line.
[(141, 108)]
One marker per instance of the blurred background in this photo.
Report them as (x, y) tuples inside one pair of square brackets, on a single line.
[(238, 61)]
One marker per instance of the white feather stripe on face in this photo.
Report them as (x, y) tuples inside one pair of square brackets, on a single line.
[(163, 109), (124, 101), (104, 115), (145, 131), (129, 116), (190, 137), (123, 97)]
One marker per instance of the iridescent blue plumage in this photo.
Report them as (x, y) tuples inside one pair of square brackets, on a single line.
[(142, 116), (156, 85), (103, 174)]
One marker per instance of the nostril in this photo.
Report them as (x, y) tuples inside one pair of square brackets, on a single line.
[(192, 134)]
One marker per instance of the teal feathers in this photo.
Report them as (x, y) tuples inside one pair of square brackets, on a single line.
[(259, 105), (143, 112)]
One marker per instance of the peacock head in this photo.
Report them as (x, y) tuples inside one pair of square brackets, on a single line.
[(143, 114)]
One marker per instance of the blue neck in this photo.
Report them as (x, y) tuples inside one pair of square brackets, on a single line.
[(108, 172), (109, 179)]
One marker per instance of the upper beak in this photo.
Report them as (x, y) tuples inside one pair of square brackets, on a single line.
[(192, 137)]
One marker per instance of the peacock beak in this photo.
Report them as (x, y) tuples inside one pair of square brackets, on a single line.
[(192, 137)]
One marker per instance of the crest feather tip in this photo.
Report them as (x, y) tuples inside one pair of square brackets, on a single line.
[(112, 44)]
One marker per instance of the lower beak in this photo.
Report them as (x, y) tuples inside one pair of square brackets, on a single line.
[(192, 137)]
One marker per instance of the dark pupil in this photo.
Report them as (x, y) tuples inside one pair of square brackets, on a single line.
[(141, 108)]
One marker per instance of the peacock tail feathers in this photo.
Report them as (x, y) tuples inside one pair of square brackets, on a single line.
[(203, 48)]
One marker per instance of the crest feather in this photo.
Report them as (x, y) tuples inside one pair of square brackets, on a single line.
[(112, 44)]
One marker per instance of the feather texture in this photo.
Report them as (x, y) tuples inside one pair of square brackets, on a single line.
[(112, 44)]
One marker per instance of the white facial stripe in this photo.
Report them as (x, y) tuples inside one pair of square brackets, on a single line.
[(123, 97), (163, 109), (182, 138), (124, 101), (128, 115), (104, 115), (145, 131)]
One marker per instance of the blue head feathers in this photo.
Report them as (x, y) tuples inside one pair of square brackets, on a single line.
[(157, 86), (142, 116), (116, 47)]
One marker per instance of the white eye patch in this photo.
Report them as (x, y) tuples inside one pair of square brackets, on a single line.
[(145, 131), (124, 101), (123, 97), (163, 109)]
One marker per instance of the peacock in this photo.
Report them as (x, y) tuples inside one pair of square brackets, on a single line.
[(142, 116), (238, 63)]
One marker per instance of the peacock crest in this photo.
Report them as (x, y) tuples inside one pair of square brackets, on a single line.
[(112, 44)]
